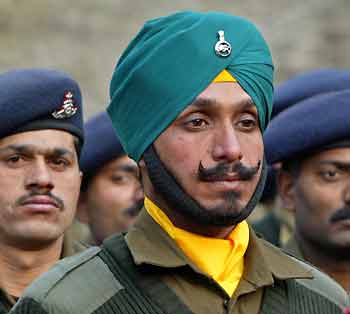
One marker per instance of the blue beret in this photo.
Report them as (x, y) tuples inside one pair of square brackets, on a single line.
[(172, 60), (307, 85), (35, 99), (308, 126), (101, 144)]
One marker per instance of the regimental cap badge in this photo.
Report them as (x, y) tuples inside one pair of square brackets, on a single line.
[(222, 47), (67, 109)]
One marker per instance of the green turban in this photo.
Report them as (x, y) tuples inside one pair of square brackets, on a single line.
[(172, 60)]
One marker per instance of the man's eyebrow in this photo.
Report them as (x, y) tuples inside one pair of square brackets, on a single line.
[(31, 149), (127, 168), (61, 152), (203, 103), (17, 148), (339, 164)]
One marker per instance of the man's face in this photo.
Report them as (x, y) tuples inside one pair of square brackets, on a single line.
[(112, 198), (39, 186), (320, 196), (214, 149)]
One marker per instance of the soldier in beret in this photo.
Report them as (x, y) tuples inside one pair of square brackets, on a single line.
[(278, 224), (111, 194), (190, 97), (314, 180), (41, 133)]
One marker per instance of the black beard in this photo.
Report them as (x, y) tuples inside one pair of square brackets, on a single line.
[(171, 191)]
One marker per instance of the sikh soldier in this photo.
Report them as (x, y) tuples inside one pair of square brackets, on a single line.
[(278, 224), (314, 180), (41, 133), (111, 194), (190, 97)]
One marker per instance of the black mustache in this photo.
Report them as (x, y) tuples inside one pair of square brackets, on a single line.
[(134, 210), (20, 201), (340, 214), (223, 169)]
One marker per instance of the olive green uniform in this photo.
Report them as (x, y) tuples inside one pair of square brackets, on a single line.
[(70, 247), (86, 284)]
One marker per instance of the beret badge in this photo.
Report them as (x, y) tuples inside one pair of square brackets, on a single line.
[(222, 47), (67, 109)]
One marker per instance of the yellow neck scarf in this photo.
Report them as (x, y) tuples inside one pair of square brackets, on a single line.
[(220, 259)]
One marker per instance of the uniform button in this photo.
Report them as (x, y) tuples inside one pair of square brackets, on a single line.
[(226, 303)]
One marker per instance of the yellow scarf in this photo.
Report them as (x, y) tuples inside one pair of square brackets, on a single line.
[(220, 259)]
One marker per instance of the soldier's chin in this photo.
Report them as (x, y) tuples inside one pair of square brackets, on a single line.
[(223, 214)]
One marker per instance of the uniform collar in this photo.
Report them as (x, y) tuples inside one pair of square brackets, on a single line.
[(150, 244)]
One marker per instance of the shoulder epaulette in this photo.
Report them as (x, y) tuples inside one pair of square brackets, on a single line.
[(77, 284)]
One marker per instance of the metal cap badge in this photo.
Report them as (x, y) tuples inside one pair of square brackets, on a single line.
[(222, 47), (67, 109)]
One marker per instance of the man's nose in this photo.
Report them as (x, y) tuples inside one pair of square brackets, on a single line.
[(226, 145), (39, 176)]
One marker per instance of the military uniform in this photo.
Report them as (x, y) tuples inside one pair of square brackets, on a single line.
[(172, 61), (84, 284), (40, 99), (70, 247), (276, 227)]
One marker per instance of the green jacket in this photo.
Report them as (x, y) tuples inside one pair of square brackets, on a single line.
[(70, 247), (88, 283)]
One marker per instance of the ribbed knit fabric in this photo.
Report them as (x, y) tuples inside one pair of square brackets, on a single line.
[(275, 299), (129, 300), (140, 285), (29, 306), (303, 300), (145, 293), (293, 298)]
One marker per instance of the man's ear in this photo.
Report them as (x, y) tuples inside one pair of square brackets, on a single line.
[(286, 182), (141, 163), (82, 214)]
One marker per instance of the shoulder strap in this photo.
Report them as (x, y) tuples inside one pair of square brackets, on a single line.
[(143, 283)]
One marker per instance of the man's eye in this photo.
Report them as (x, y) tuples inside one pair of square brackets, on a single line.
[(14, 159), (330, 175), (117, 178), (120, 179), (197, 123), (59, 162), (248, 122)]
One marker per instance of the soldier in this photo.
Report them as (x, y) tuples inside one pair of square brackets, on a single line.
[(111, 194), (41, 133), (314, 179), (278, 225), (190, 98)]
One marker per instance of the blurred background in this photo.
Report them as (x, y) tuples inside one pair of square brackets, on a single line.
[(86, 37)]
